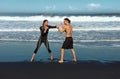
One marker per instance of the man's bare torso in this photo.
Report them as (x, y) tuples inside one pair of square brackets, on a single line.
[(68, 30)]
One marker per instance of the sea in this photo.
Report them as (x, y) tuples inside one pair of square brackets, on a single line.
[(96, 37)]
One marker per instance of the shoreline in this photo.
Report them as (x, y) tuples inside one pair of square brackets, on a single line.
[(22, 51)]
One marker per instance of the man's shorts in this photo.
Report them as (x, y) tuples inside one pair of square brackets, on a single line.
[(68, 43)]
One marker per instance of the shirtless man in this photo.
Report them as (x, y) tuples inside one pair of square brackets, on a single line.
[(68, 43)]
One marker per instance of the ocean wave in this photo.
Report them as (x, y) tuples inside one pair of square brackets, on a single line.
[(102, 40), (55, 30), (60, 18), (116, 45), (18, 30), (25, 40), (97, 29), (76, 41)]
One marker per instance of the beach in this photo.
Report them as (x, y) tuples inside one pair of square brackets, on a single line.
[(54, 70), (93, 62), (96, 42)]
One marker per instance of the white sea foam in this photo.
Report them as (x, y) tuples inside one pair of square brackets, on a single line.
[(102, 40), (17, 30), (60, 18), (55, 30)]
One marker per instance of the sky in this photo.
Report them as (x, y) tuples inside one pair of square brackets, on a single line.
[(59, 6)]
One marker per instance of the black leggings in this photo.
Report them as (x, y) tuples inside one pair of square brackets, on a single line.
[(40, 41)]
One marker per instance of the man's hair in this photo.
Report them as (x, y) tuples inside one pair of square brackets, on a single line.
[(44, 21), (67, 20)]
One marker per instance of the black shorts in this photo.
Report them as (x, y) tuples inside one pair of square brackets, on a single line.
[(68, 43)]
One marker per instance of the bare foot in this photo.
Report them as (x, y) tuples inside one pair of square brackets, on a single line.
[(60, 61), (31, 60), (75, 60)]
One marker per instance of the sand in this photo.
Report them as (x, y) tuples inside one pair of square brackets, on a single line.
[(54, 70)]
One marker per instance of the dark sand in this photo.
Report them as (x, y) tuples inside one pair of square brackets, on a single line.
[(54, 70)]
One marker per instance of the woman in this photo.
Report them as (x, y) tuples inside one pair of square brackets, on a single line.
[(43, 39)]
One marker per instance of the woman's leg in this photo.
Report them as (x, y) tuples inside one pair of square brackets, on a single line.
[(35, 51), (48, 48)]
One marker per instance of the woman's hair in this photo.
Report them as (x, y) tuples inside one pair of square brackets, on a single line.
[(44, 21)]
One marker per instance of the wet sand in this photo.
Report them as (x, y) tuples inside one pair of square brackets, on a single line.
[(54, 70)]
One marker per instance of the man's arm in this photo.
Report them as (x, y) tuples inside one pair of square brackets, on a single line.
[(61, 30)]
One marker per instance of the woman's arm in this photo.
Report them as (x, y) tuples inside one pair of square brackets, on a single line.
[(51, 26), (42, 30)]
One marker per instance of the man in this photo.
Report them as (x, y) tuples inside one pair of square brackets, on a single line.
[(43, 39), (68, 43)]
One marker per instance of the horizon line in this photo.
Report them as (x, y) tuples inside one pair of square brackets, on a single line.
[(54, 14)]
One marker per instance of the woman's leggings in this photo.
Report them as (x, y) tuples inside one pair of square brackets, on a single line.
[(46, 43)]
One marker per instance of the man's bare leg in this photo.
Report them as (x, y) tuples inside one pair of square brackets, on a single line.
[(74, 55), (62, 56), (32, 58)]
